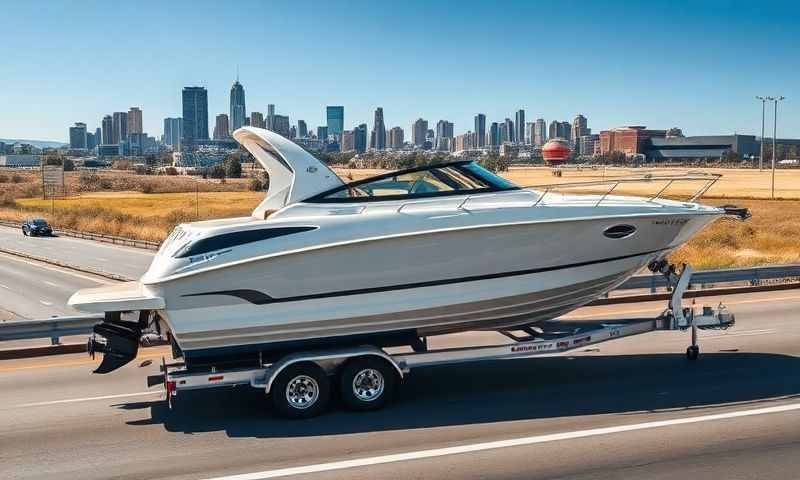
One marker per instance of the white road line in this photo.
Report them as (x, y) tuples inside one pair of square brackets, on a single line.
[(516, 442), (88, 399), (51, 283), (48, 304), (4, 286)]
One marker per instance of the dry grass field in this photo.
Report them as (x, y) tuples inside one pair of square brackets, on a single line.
[(771, 236)]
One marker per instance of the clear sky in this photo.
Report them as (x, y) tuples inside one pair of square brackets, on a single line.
[(695, 65)]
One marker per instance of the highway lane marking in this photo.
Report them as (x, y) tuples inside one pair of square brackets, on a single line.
[(515, 442), (65, 271), (47, 304), (51, 283), (88, 399), (655, 309), (4, 286)]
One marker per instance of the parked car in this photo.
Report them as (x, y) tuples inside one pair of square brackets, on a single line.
[(36, 226)]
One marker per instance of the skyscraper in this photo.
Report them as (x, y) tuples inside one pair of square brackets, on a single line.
[(553, 130), (108, 130), (173, 132), (360, 138), (281, 126), (565, 130), (135, 120), (378, 131), (195, 115), (238, 111), (579, 129), (77, 136), (444, 133), (347, 144), (418, 131), (257, 120), (529, 133), (302, 129), (540, 132), (509, 129), (120, 127), (519, 132), (335, 116), (494, 134), (480, 130), (270, 116), (222, 127)]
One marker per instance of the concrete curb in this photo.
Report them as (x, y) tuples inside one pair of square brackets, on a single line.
[(92, 271)]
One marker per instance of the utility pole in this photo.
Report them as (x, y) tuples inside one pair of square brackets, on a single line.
[(774, 140), (763, 111)]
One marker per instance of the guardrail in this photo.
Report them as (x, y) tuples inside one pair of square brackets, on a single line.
[(98, 237), (754, 276), (52, 328)]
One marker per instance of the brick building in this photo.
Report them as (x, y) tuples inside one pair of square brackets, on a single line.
[(630, 140)]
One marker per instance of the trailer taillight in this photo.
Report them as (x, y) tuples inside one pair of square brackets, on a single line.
[(170, 385)]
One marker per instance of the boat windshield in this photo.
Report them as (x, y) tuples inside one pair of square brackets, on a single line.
[(431, 181)]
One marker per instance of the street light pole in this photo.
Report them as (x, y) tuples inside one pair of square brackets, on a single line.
[(763, 111), (774, 140)]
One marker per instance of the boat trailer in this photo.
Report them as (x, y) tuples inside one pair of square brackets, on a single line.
[(300, 383)]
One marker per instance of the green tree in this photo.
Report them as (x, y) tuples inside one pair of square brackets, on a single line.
[(233, 167)]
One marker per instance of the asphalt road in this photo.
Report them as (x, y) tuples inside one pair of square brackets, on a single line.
[(126, 261), (732, 414)]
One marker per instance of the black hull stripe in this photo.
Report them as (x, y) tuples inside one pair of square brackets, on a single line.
[(260, 298)]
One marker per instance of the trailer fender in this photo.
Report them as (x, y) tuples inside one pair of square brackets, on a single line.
[(325, 358)]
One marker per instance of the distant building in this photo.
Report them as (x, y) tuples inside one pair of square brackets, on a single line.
[(712, 147), (302, 129), (480, 130), (238, 111), (587, 144), (509, 131), (465, 142), (322, 133), (270, 116), (347, 144), (630, 140), (173, 132), (360, 138), (20, 160), (378, 131), (120, 127), (281, 125), (540, 132), (565, 130), (257, 120), (444, 134), (135, 120), (108, 130), (77, 136), (579, 129), (112, 150), (418, 132), (335, 118), (195, 115), (494, 134), (396, 139), (519, 132), (222, 127), (530, 130)]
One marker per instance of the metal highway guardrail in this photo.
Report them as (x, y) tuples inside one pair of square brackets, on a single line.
[(754, 276), (98, 237)]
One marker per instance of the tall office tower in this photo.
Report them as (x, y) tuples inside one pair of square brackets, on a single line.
[(238, 111), (271, 117), (222, 127), (257, 120), (502, 133), (195, 115), (565, 130), (579, 128), (360, 138), (90, 141), (379, 130), (529, 133), (173, 132), (347, 144), (322, 133), (293, 132), (302, 129), (335, 116), (77, 136), (98, 136), (281, 125), (494, 134), (418, 131), (108, 130), (396, 139), (519, 132), (553, 130), (120, 127), (480, 130), (540, 132), (135, 120), (444, 132), (509, 128)]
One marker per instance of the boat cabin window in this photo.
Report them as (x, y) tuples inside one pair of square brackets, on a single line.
[(437, 180)]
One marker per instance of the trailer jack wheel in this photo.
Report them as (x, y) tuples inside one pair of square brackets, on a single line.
[(692, 352)]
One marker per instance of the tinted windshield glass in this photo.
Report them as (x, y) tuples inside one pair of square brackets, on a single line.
[(432, 181), (39, 222)]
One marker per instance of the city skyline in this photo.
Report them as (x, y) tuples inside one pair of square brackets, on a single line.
[(703, 80)]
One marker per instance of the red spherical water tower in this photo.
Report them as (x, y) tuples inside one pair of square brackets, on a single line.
[(556, 151)]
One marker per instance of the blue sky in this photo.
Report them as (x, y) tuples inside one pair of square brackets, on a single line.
[(696, 65)]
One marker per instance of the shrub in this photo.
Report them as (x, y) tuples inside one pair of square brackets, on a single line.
[(8, 200), (16, 178), (3, 178), (255, 185)]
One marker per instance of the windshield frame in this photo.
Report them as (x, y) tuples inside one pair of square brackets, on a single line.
[(493, 185)]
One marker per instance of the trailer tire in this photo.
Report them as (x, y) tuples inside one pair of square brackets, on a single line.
[(302, 390), (367, 383)]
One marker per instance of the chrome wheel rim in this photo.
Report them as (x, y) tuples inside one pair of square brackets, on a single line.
[(302, 392), (368, 384)]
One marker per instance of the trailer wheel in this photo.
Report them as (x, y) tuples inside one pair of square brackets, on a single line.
[(302, 390), (367, 383)]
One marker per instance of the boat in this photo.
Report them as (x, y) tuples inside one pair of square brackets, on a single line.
[(387, 260)]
